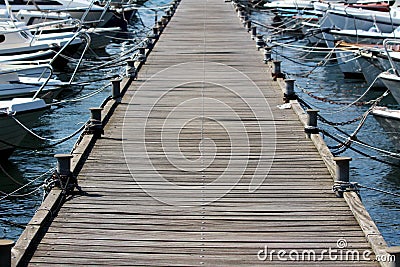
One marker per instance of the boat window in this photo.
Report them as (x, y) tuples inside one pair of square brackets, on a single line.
[(2, 38), (48, 3), (25, 35), (24, 2)]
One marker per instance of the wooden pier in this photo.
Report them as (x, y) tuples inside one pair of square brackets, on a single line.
[(198, 166)]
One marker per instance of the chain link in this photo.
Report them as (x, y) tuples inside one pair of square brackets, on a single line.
[(331, 123), (326, 100)]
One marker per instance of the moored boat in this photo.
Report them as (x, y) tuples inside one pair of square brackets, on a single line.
[(13, 114), (390, 121)]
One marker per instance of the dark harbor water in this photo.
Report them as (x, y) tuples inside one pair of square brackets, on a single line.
[(61, 120)]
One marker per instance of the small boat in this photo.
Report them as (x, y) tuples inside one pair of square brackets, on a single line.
[(15, 39), (371, 67), (372, 36), (90, 13), (21, 80), (290, 4), (15, 115), (390, 121), (349, 18), (83, 10), (391, 80), (391, 77), (346, 56)]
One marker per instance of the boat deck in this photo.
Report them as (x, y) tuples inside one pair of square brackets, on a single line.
[(199, 167)]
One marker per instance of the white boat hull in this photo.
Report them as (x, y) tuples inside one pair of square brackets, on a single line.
[(348, 64), (371, 68), (390, 122), (11, 133), (392, 82)]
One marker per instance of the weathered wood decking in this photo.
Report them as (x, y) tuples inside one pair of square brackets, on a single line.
[(178, 176)]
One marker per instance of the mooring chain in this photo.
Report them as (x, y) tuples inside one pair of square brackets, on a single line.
[(342, 123), (322, 119), (333, 102)]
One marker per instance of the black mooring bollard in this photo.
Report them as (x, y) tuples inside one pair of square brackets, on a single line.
[(5, 252), (267, 54), (342, 176), (95, 113), (160, 26), (95, 124), (63, 164), (260, 43), (394, 259), (253, 32), (165, 20), (312, 122), (289, 93), (141, 57), (154, 35), (312, 117), (116, 89), (131, 70), (248, 25), (276, 71)]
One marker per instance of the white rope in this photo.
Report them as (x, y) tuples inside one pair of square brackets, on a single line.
[(43, 138), (386, 152), (25, 185), (357, 100), (302, 47), (83, 97)]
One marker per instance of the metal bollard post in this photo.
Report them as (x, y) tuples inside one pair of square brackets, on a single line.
[(248, 25), (312, 117), (253, 32), (260, 43), (95, 113), (394, 253), (148, 43), (5, 252), (245, 21), (155, 32), (141, 57), (95, 124), (65, 178), (267, 54), (131, 70), (63, 164), (342, 173), (312, 122), (276, 71), (160, 26), (152, 37), (165, 20), (239, 11), (116, 89), (289, 93)]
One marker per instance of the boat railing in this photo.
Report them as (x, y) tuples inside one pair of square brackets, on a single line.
[(15, 68), (388, 45), (35, 26), (84, 36)]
